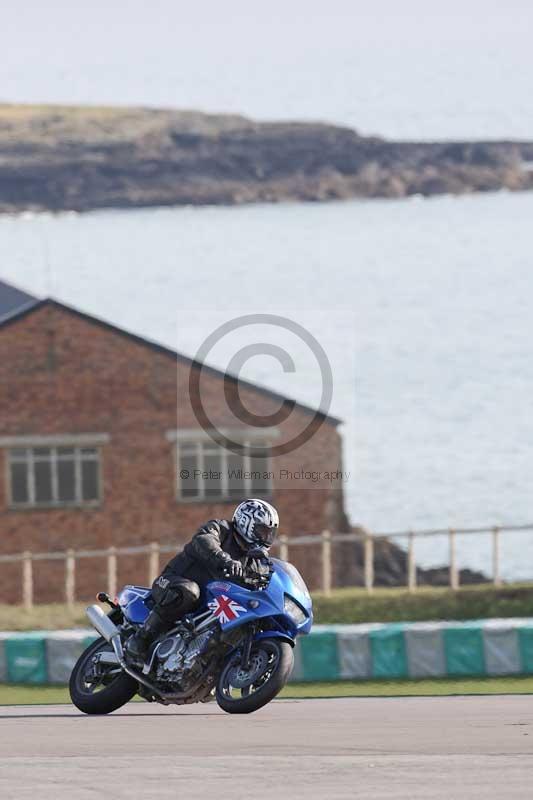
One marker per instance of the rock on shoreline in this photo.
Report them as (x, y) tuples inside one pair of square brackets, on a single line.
[(82, 158), (391, 566)]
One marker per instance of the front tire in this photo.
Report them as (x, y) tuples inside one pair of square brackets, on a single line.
[(240, 692), (99, 694)]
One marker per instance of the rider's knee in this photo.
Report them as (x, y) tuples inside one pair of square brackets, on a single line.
[(191, 592)]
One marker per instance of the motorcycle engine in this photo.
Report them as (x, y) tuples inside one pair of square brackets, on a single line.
[(177, 655), (169, 653)]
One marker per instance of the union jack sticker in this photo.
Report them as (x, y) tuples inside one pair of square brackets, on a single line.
[(225, 609)]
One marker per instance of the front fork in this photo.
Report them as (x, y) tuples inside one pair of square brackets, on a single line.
[(247, 647)]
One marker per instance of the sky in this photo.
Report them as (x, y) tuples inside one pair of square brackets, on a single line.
[(411, 70)]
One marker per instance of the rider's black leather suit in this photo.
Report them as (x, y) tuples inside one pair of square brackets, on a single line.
[(177, 590)]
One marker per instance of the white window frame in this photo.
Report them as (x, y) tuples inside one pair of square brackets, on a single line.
[(77, 444), (196, 440)]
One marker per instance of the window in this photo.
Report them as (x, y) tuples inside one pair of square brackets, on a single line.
[(54, 476), (206, 471)]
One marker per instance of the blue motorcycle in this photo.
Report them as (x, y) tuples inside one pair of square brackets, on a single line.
[(237, 648)]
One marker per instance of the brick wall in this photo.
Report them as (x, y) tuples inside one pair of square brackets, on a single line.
[(63, 373)]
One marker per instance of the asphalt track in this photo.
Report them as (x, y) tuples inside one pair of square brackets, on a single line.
[(414, 748)]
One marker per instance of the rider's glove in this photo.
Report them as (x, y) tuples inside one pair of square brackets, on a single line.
[(259, 561), (230, 567), (234, 568), (260, 566), (259, 553)]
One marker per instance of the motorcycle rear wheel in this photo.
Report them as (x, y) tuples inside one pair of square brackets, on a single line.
[(240, 692), (94, 696)]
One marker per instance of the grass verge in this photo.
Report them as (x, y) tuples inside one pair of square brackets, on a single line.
[(412, 688), (427, 603), (344, 606), (28, 695), (49, 617)]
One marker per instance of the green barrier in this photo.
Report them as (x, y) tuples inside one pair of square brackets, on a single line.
[(26, 659), (330, 653), (389, 657), (525, 639), (319, 657), (3, 662), (463, 651)]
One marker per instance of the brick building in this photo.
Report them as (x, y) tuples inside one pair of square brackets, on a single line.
[(96, 427)]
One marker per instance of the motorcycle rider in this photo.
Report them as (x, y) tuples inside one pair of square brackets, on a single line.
[(217, 549)]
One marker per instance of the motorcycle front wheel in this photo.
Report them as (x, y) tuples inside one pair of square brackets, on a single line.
[(241, 691), (99, 690)]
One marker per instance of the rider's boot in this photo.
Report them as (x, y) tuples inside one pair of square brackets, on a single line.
[(137, 645)]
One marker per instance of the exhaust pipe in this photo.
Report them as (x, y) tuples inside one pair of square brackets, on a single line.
[(107, 629)]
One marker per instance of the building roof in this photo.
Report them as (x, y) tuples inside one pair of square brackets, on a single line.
[(33, 305), (13, 299)]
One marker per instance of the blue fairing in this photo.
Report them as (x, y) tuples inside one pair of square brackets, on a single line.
[(234, 605), (135, 603)]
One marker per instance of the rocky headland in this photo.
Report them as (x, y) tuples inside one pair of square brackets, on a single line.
[(82, 158)]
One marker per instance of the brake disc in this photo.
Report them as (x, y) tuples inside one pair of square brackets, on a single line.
[(239, 678)]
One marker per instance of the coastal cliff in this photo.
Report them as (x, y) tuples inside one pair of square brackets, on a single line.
[(82, 158)]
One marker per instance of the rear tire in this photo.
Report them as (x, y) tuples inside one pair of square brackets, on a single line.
[(114, 694), (280, 655)]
